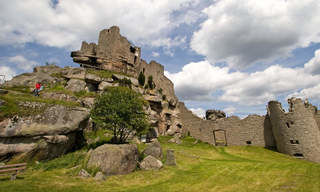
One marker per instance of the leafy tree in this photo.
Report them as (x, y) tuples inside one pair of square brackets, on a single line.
[(141, 79), (120, 109)]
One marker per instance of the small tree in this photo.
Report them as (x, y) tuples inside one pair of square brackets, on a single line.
[(141, 78), (151, 84), (121, 110)]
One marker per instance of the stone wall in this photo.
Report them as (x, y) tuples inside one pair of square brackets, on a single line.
[(156, 70), (113, 52), (253, 130), (296, 132)]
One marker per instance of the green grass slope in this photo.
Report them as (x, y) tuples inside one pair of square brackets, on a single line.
[(201, 167)]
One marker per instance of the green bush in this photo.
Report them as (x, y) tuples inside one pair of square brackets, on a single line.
[(120, 109), (125, 82), (151, 84), (141, 78)]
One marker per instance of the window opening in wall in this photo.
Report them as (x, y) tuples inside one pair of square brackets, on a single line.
[(294, 141), (298, 155), (248, 142), (288, 125), (132, 49)]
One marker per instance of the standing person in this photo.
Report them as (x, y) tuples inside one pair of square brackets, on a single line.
[(37, 89)]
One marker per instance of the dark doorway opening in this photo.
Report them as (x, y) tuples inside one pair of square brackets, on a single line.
[(220, 137)]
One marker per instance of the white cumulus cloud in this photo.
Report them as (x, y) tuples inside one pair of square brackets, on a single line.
[(6, 73), (244, 32), (202, 81), (69, 22), (199, 112)]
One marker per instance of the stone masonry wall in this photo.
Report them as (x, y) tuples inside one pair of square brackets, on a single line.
[(253, 130), (113, 52), (296, 132)]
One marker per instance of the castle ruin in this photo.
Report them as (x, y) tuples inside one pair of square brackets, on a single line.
[(115, 53), (296, 133)]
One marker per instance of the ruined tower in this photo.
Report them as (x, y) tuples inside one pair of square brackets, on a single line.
[(296, 132), (113, 52)]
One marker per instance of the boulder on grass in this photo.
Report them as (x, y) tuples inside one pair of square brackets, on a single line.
[(154, 149), (151, 163), (114, 159)]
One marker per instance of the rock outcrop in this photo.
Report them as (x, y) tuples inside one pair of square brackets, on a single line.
[(114, 159), (55, 131), (114, 53), (215, 114)]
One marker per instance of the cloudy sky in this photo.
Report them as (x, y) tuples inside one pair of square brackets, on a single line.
[(233, 55)]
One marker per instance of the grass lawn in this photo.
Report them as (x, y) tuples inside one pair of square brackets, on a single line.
[(201, 167)]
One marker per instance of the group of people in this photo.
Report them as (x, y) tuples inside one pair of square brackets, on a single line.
[(38, 88)]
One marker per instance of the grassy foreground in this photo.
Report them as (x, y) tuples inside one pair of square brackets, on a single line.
[(201, 167)]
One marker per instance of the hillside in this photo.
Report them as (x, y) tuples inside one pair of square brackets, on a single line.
[(201, 167)]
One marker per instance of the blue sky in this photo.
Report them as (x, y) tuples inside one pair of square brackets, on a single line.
[(233, 55)]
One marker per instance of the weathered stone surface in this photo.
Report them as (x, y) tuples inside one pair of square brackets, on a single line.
[(134, 81), (151, 163), (88, 102), (113, 52), (54, 132), (76, 85), (84, 173), (30, 79), (104, 85), (171, 160), (215, 114), (74, 73), (56, 139), (114, 159), (296, 133), (93, 78), (100, 176), (49, 69), (151, 98), (57, 119), (154, 149), (59, 96)]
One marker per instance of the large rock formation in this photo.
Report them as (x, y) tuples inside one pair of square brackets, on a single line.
[(43, 136), (115, 53)]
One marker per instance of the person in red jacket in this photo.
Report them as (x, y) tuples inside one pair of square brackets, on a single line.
[(37, 89)]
